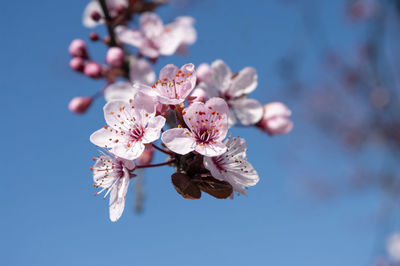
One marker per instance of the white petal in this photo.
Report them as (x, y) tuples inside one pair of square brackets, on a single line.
[(117, 112), (132, 37), (87, 20), (153, 129), (118, 197), (244, 83), (221, 75), (211, 150), (103, 138), (151, 25), (120, 91), (142, 72), (178, 140), (132, 152), (248, 111)]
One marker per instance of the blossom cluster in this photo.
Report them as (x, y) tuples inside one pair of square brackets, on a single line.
[(188, 110)]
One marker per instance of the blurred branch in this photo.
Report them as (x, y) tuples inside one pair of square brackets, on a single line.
[(108, 21)]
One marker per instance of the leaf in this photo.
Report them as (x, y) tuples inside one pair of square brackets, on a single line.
[(214, 187), (185, 186)]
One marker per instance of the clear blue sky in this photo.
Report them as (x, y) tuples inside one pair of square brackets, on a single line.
[(49, 215)]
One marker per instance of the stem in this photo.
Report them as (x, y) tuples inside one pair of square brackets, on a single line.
[(162, 150), (108, 19), (155, 165)]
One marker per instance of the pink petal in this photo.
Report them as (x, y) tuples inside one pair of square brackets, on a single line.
[(102, 138), (142, 72), (113, 114), (203, 73), (276, 109), (151, 25), (248, 111), (211, 150), (118, 197), (244, 83), (132, 37), (132, 152), (153, 129), (178, 140), (168, 72), (121, 90), (221, 75)]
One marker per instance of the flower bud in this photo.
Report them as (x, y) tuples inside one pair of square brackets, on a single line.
[(147, 156), (95, 15), (92, 69), (276, 120), (115, 57), (77, 48), (93, 36), (79, 105), (76, 64)]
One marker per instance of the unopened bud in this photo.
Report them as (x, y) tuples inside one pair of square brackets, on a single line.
[(92, 69), (79, 105), (276, 119), (77, 48), (115, 57), (93, 36), (95, 16), (76, 64)]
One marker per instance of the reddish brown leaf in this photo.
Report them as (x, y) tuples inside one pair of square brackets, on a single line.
[(214, 187), (185, 186)]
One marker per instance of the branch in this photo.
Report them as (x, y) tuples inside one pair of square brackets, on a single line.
[(108, 21)]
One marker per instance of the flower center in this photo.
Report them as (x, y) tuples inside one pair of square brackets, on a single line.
[(136, 132)]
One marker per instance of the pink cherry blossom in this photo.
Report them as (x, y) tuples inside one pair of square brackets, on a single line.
[(232, 166), (112, 174), (130, 125), (188, 32), (174, 84), (207, 127), (153, 38), (276, 119), (94, 6), (234, 89)]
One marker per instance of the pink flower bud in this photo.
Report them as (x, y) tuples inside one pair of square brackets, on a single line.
[(93, 36), (276, 119), (115, 57), (77, 48), (79, 105), (76, 64), (147, 156), (92, 69)]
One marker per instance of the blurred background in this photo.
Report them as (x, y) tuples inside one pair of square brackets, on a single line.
[(328, 191)]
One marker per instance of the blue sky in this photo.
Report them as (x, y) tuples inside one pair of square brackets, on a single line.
[(49, 214)]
